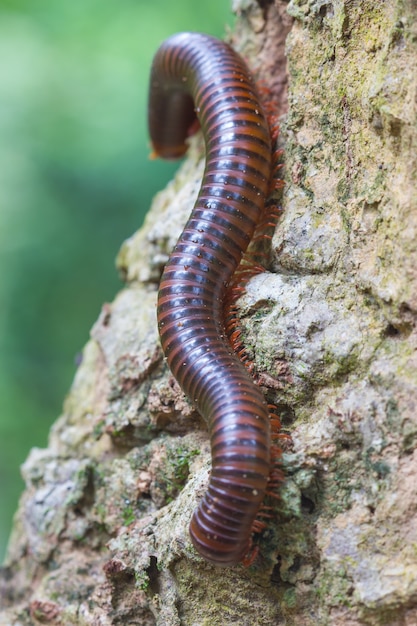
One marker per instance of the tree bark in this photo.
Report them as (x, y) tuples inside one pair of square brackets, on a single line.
[(101, 534)]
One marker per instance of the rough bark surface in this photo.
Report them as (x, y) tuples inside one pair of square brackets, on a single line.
[(101, 534)]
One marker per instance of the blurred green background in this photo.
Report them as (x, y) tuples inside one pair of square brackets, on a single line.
[(75, 181)]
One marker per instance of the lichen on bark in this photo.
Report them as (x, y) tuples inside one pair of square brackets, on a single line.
[(101, 535)]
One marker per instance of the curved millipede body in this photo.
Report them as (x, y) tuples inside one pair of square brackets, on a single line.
[(197, 75)]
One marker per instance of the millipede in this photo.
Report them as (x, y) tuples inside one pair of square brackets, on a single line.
[(199, 81)]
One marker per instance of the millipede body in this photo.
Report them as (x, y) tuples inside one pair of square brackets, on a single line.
[(195, 76)]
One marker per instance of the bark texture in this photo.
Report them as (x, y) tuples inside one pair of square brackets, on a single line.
[(101, 534)]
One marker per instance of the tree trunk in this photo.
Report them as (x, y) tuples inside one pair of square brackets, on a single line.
[(101, 534)]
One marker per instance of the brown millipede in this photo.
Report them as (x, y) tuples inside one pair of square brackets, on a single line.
[(195, 76)]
